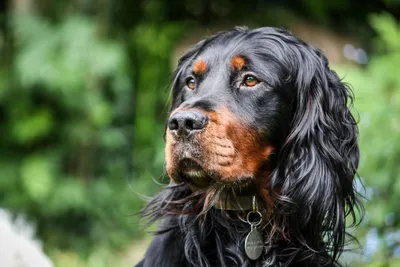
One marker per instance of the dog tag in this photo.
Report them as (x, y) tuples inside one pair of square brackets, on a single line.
[(254, 244)]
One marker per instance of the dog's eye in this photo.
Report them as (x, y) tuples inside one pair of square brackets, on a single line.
[(250, 81), (191, 83)]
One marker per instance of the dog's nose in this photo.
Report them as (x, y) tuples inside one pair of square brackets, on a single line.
[(185, 122)]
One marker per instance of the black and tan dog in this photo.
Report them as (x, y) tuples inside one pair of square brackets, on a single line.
[(262, 152)]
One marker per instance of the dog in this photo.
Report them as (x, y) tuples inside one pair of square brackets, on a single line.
[(262, 153)]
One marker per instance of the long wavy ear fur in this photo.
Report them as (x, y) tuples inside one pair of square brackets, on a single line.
[(318, 161)]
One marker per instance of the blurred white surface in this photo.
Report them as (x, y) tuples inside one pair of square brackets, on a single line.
[(18, 247)]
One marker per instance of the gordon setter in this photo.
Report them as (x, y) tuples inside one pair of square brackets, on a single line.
[(262, 152)]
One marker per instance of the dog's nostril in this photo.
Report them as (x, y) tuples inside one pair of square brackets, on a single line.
[(196, 124), (193, 124), (189, 124), (173, 124)]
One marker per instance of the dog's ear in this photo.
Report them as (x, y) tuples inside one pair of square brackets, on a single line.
[(318, 160)]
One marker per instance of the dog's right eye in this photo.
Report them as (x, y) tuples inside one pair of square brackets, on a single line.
[(191, 83), (250, 81)]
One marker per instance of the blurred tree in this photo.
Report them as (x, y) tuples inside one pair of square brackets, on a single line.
[(377, 90), (65, 99)]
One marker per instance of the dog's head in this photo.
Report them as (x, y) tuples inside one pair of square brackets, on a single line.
[(231, 111), (260, 112)]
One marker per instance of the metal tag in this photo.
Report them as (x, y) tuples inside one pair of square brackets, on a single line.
[(254, 244)]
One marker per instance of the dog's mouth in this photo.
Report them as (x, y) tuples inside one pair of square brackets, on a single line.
[(193, 173), (190, 171)]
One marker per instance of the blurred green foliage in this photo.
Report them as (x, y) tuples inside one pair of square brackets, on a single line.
[(377, 91), (83, 93), (63, 140)]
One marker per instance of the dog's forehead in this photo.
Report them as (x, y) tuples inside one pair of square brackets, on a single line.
[(221, 58), (253, 52), (223, 53)]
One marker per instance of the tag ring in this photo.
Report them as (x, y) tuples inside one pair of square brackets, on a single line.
[(254, 224)]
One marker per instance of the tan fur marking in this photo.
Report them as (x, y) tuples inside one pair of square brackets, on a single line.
[(169, 155), (199, 67), (238, 63)]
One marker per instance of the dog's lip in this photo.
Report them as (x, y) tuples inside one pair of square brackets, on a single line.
[(194, 173)]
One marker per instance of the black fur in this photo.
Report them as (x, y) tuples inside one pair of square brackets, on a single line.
[(302, 109)]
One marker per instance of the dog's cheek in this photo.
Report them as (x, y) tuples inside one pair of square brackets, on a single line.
[(232, 150), (217, 149), (253, 151), (258, 156)]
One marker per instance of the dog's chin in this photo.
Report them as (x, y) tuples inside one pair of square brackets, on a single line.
[(190, 171), (198, 181)]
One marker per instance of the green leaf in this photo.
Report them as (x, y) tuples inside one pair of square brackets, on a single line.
[(32, 126), (37, 177)]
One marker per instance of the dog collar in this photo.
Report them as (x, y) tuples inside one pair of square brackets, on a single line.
[(223, 201)]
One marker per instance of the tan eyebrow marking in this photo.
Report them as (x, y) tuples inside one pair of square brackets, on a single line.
[(199, 67), (238, 63)]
